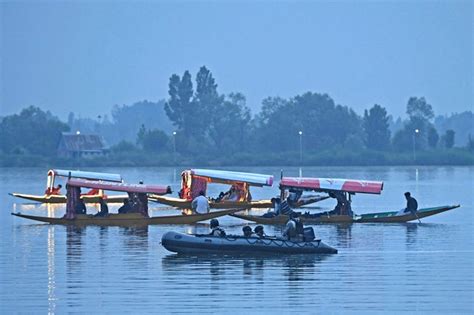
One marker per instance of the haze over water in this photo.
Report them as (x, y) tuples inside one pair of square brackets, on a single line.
[(409, 267)]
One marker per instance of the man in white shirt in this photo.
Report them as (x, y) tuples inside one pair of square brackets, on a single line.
[(200, 204)]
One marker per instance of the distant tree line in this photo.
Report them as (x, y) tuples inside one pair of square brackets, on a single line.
[(196, 123)]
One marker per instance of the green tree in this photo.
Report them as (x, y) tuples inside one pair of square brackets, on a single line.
[(433, 137), (323, 123), (156, 141), (179, 107), (33, 130), (419, 108), (141, 135), (207, 100), (420, 114), (376, 127), (470, 143), (448, 138), (229, 130)]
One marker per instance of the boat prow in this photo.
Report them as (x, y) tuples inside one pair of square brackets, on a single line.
[(395, 217), (129, 219)]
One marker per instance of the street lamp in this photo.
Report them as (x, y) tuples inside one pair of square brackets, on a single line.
[(301, 151), (174, 146), (301, 145), (414, 143)]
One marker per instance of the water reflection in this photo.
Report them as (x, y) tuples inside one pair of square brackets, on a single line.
[(51, 271), (411, 234), (74, 236), (293, 267)]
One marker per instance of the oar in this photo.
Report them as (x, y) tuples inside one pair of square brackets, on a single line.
[(416, 215)]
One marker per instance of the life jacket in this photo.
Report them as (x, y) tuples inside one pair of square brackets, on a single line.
[(299, 227), (217, 232)]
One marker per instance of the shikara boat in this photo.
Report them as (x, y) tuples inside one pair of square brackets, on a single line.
[(345, 188), (88, 198), (232, 244), (137, 193), (378, 217), (195, 180)]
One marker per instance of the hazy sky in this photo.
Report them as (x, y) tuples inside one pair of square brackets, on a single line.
[(87, 56)]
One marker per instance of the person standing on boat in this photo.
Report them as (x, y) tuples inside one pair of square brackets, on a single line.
[(200, 204), (412, 204)]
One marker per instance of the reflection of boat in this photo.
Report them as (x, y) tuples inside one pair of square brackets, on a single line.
[(93, 198), (207, 244), (137, 194), (381, 217), (195, 180)]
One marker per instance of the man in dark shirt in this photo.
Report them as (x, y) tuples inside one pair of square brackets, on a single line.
[(412, 204)]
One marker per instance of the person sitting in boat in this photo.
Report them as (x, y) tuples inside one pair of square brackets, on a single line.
[(412, 204), (53, 190), (91, 192), (104, 209), (216, 230), (294, 229), (343, 206), (259, 231), (294, 196), (247, 230), (126, 207), (200, 204), (81, 207)]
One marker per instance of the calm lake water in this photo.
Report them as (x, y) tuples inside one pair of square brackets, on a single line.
[(425, 267)]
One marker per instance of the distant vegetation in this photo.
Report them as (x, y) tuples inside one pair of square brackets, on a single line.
[(197, 125)]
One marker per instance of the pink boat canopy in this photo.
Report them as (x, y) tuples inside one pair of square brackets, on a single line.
[(113, 186), (332, 184), (228, 177)]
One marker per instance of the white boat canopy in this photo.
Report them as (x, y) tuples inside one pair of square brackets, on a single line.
[(229, 177), (110, 177)]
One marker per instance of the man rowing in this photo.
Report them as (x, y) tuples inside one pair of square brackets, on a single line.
[(412, 204)]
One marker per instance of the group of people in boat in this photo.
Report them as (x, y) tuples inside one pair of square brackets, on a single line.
[(293, 231), (237, 192), (57, 191), (81, 208)]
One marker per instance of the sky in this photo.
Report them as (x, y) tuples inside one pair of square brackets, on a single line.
[(88, 56)]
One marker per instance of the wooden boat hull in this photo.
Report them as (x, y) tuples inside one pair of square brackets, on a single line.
[(129, 219), (186, 204), (62, 198), (379, 217), (257, 204)]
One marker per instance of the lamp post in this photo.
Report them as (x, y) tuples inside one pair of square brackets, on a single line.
[(301, 145), (414, 143), (301, 151), (174, 147)]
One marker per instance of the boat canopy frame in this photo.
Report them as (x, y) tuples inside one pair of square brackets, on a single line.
[(195, 180), (53, 173), (137, 193), (350, 186)]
